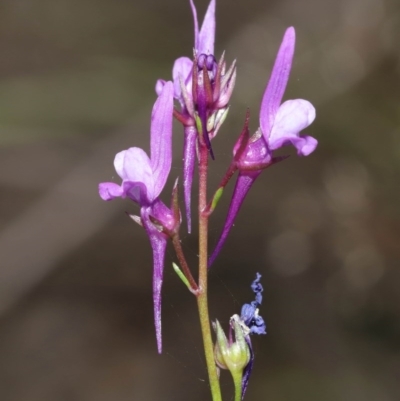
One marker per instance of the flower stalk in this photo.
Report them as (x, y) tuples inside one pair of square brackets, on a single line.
[(202, 298), (176, 242)]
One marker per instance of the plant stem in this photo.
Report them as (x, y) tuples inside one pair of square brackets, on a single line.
[(237, 381), (202, 301), (182, 261)]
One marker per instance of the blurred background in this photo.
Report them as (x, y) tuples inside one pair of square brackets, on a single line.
[(77, 86)]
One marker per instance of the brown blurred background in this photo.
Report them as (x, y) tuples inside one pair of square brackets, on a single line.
[(76, 86)]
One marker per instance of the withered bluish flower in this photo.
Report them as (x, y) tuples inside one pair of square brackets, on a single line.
[(256, 325), (235, 353)]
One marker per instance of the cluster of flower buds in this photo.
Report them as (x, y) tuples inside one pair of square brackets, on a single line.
[(203, 89), (206, 105)]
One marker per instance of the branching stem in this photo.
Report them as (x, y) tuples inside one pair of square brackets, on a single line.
[(182, 261)]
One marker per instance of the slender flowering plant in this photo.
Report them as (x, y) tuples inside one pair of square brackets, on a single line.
[(201, 88)]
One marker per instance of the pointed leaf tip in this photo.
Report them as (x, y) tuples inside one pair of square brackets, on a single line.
[(180, 274), (135, 218), (216, 198)]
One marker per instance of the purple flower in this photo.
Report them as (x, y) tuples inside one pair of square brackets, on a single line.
[(182, 77), (143, 179), (204, 39), (203, 44), (203, 89), (183, 66), (280, 125)]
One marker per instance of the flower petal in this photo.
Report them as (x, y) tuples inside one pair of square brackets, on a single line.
[(249, 367), (189, 158), (242, 187), (257, 288), (249, 313), (292, 117), (159, 86), (163, 214), (161, 137), (182, 67), (109, 190), (196, 24), (206, 36), (136, 191), (255, 153), (305, 144), (277, 83), (158, 244), (134, 165)]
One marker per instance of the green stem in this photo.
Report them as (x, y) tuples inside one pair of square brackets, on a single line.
[(202, 301), (237, 381), (182, 260)]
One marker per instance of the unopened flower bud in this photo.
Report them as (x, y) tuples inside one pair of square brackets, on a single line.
[(218, 119)]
